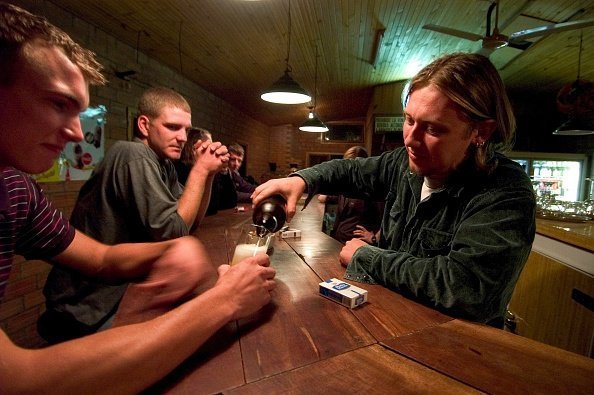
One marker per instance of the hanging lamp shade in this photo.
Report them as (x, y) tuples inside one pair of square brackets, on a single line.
[(286, 91), (575, 126), (576, 100), (313, 124)]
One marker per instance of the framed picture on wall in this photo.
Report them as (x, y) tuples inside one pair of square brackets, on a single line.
[(344, 133), (386, 124)]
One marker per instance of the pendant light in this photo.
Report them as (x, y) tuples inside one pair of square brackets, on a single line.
[(575, 100), (313, 123), (286, 90), (575, 126)]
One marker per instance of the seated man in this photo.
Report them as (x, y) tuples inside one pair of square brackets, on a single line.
[(187, 158), (222, 193), (459, 218), (355, 218), (229, 187), (44, 78), (133, 195), (243, 188)]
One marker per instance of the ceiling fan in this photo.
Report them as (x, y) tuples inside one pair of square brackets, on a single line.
[(493, 39)]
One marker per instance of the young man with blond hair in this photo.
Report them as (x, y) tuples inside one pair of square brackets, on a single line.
[(44, 78)]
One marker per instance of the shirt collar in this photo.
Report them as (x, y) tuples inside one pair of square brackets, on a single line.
[(151, 152)]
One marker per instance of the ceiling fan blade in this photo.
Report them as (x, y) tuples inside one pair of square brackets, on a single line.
[(519, 44), (453, 32), (554, 28)]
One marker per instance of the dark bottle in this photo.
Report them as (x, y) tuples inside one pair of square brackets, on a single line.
[(270, 215)]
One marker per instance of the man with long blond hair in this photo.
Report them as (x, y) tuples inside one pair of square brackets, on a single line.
[(459, 218)]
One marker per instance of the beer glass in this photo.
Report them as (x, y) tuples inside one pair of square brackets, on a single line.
[(249, 243)]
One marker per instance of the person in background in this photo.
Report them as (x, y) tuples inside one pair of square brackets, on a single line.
[(243, 188), (459, 218), (187, 158), (44, 85), (229, 187), (355, 218), (133, 195), (222, 194)]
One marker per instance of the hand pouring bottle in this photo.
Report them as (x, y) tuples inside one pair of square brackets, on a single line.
[(269, 216)]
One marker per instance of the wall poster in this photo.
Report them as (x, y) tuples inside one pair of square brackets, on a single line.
[(77, 160), (388, 124)]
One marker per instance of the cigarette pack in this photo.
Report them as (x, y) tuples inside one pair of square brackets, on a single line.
[(290, 233), (343, 293)]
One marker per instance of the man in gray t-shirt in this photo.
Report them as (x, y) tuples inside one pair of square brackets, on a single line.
[(132, 196)]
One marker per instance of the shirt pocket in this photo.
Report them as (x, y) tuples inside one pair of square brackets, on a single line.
[(394, 205), (434, 242)]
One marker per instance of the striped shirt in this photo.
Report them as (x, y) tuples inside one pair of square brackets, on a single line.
[(29, 224)]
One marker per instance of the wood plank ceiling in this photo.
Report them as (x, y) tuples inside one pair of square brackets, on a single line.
[(237, 48)]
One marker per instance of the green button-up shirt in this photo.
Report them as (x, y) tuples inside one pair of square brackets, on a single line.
[(461, 250)]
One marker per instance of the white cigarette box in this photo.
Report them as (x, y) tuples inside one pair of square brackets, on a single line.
[(343, 293), (290, 233)]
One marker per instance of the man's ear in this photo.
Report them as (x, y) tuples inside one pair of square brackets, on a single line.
[(485, 130), (143, 126)]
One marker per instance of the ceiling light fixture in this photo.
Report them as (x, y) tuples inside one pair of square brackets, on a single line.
[(575, 99), (286, 90), (575, 126), (313, 123)]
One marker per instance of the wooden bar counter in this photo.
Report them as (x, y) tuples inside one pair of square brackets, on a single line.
[(578, 234), (553, 301), (303, 343)]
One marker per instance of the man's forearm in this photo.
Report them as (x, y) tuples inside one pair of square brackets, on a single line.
[(205, 201), (244, 197), (121, 360), (132, 260), (121, 261), (191, 200)]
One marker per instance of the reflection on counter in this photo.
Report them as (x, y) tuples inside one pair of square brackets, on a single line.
[(548, 207), (579, 235)]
